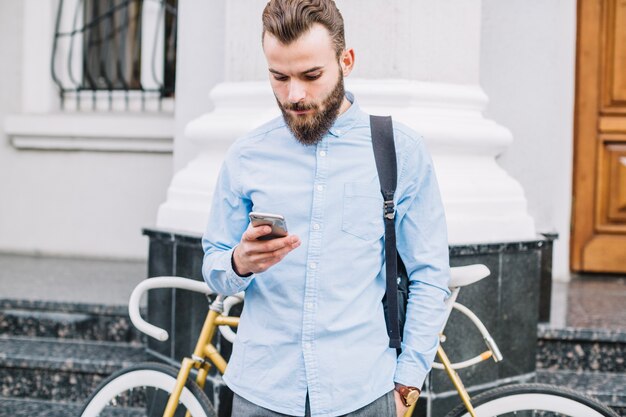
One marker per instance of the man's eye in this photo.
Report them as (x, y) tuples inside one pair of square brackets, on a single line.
[(280, 78), (313, 77)]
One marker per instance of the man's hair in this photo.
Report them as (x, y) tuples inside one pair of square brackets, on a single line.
[(287, 20)]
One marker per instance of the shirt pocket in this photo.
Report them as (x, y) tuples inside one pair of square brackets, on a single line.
[(363, 211)]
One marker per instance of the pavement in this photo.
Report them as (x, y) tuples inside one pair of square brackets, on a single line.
[(93, 281), (596, 301)]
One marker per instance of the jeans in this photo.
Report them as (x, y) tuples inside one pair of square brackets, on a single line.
[(384, 406)]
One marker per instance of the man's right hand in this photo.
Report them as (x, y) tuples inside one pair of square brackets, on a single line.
[(254, 256)]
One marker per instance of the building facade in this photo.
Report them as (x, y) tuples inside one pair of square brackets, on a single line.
[(489, 84)]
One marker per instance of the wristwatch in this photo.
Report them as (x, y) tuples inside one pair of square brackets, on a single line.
[(408, 395)]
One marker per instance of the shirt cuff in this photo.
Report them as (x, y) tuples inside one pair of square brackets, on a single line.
[(411, 376), (240, 283), (232, 265)]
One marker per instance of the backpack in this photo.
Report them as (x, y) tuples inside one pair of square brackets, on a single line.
[(397, 282)]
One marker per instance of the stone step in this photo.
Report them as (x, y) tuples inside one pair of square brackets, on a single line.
[(26, 407), (607, 387), (67, 321), (580, 349), (60, 370)]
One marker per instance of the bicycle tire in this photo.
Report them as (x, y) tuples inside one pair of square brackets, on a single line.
[(535, 400), (142, 390)]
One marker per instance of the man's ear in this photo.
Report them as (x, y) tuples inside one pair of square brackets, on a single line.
[(347, 61)]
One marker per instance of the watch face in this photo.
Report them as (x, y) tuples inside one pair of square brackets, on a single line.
[(412, 396)]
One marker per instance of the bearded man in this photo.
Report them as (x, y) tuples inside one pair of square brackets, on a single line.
[(312, 339)]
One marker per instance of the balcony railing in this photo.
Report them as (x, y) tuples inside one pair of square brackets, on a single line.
[(115, 54)]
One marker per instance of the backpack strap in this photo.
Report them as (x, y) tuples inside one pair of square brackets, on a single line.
[(386, 164)]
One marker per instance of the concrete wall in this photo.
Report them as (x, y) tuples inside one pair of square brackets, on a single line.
[(11, 22), (527, 71), (405, 38), (405, 51), (200, 65), (69, 202), (399, 43), (79, 203)]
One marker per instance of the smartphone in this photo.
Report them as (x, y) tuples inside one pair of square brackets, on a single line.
[(279, 226)]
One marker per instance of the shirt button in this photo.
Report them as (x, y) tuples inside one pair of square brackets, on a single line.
[(307, 346), (309, 306), (338, 131), (316, 226), (320, 188), (322, 153), (312, 265)]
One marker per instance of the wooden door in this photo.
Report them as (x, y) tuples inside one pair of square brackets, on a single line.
[(598, 242)]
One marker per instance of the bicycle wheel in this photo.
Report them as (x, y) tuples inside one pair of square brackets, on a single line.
[(534, 400), (143, 390)]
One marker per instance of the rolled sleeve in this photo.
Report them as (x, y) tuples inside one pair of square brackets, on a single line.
[(421, 336), (228, 221), (423, 246), (220, 276)]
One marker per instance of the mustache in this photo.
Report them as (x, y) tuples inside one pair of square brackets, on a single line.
[(299, 106)]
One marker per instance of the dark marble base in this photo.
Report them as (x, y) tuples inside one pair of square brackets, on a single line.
[(590, 361), (22, 407), (47, 384), (59, 370), (580, 350), (67, 321), (606, 387), (508, 302)]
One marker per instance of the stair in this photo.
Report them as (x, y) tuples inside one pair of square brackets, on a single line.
[(24, 407), (587, 360), (52, 355)]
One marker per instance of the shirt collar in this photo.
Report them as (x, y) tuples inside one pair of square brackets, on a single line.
[(347, 119)]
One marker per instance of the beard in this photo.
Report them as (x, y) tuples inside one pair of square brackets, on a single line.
[(309, 129)]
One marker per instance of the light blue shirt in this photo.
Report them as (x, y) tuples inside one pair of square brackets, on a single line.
[(314, 322)]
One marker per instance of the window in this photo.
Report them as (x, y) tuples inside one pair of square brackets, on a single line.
[(115, 54)]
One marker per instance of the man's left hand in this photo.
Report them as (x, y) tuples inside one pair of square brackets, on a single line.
[(400, 407)]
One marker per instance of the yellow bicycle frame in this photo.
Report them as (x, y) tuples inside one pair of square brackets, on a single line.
[(206, 354), (203, 356)]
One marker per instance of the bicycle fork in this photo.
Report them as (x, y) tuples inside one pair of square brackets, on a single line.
[(454, 377), (183, 374), (204, 349)]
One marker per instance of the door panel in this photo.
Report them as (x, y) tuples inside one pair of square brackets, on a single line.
[(598, 241), (605, 253), (611, 198), (616, 50), (616, 182)]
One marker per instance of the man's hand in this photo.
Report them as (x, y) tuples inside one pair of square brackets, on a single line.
[(400, 407), (254, 256)]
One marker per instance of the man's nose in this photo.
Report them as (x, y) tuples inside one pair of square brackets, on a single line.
[(297, 92)]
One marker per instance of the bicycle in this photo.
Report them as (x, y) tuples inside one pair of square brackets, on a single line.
[(155, 389)]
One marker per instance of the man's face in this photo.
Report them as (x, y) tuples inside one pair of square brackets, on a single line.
[(307, 80)]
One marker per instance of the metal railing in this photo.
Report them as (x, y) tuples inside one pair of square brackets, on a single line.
[(118, 52)]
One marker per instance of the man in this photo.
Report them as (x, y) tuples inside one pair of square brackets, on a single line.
[(312, 338)]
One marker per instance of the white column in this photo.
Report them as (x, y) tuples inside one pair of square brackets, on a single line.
[(419, 62), (39, 93), (152, 30)]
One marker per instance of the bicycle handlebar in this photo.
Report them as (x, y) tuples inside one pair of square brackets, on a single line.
[(159, 282), (460, 276)]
